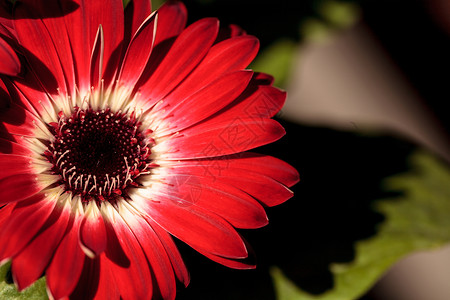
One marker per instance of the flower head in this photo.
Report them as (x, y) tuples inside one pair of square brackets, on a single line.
[(128, 129)]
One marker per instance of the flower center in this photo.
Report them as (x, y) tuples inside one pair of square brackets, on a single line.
[(99, 155)]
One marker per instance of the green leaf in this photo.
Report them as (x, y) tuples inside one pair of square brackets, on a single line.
[(285, 289), (276, 60), (155, 3), (313, 29), (419, 219), (332, 16), (340, 14), (8, 290)]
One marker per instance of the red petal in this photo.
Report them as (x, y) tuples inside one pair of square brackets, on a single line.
[(5, 212), (4, 96), (266, 165), (173, 253), (230, 55), (97, 56), (128, 262), (56, 34), (172, 20), (15, 164), (106, 287), (16, 120), (88, 283), (9, 147), (65, 268), (257, 102), (9, 62), (264, 189), (155, 253), (228, 171), (82, 19), (135, 14), (172, 17), (195, 108), (264, 79), (187, 51), (224, 200), (196, 226), (18, 187), (92, 234), (216, 138), (29, 94), (6, 25), (138, 52), (24, 222), (38, 45), (30, 263), (230, 32), (241, 264)]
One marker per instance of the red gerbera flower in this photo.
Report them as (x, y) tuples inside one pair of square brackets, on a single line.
[(129, 129)]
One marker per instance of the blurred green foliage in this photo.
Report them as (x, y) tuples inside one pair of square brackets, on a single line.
[(339, 14), (276, 60), (155, 3), (8, 290)]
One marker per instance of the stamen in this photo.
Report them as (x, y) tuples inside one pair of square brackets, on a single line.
[(76, 182), (107, 179), (61, 156), (105, 186), (128, 167), (81, 180), (70, 179), (99, 154), (95, 182), (118, 180), (112, 186), (86, 183), (44, 107)]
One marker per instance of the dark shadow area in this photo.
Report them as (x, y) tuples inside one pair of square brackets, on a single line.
[(331, 210), (268, 20), (12, 115), (411, 35), (45, 75), (4, 97), (8, 278), (156, 58), (36, 10)]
